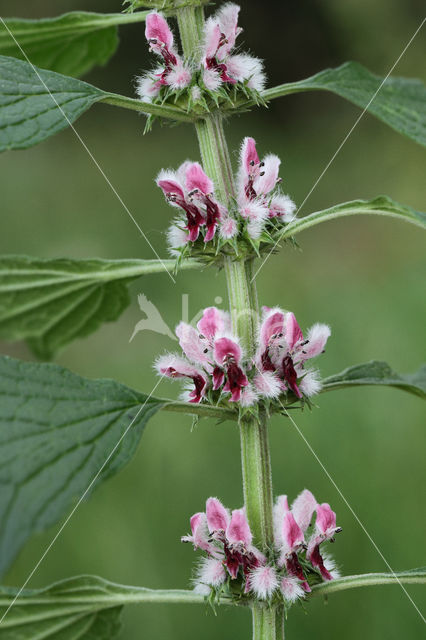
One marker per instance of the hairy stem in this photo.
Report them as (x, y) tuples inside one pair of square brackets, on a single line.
[(255, 456)]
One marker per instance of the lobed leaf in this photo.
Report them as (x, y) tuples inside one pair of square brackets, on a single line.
[(378, 373), (382, 206), (399, 103), (52, 302), (35, 103)]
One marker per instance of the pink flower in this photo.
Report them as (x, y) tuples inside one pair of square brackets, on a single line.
[(227, 354), (195, 348), (214, 321), (258, 196), (174, 73), (290, 527), (227, 541), (325, 529), (172, 366), (200, 188), (283, 351), (200, 534), (220, 34), (213, 356), (228, 538), (190, 189), (159, 35)]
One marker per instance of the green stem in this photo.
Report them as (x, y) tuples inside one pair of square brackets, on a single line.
[(201, 410), (255, 456), (267, 624), (190, 21), (163, 111)]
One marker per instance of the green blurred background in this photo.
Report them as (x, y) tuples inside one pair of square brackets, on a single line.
[(363, 276)]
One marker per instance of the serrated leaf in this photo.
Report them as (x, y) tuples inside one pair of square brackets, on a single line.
[(84, 624), (57, 430), (400, 102), (35, 103), (378, 373), (52, 302), (382, 206)]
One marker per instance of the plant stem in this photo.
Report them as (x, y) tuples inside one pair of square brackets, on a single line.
[(255, 456)]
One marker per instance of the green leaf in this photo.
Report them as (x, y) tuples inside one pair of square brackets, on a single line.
[(378, 373), (28, 112), (57, 430), (413, 576), (60, 436), (382, 206), (52, 302), (35, 103), (86, 599), (71, 44), (400, 102)]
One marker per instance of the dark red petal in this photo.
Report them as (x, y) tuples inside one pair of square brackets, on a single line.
[(317, 561)]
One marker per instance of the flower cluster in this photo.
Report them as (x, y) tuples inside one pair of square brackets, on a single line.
[(256, 216), (215, 363), (295, 563), (208, 76)]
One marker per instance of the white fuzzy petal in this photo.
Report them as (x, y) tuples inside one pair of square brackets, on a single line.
[(267, 384), (311, 383), (228, 228), (291, 589), (244, 67), (211, 79), (179, 77), (263, 581), (176, 237), (248, 396), (210, 572), (147, 88), (283, 207), (255, 228)]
